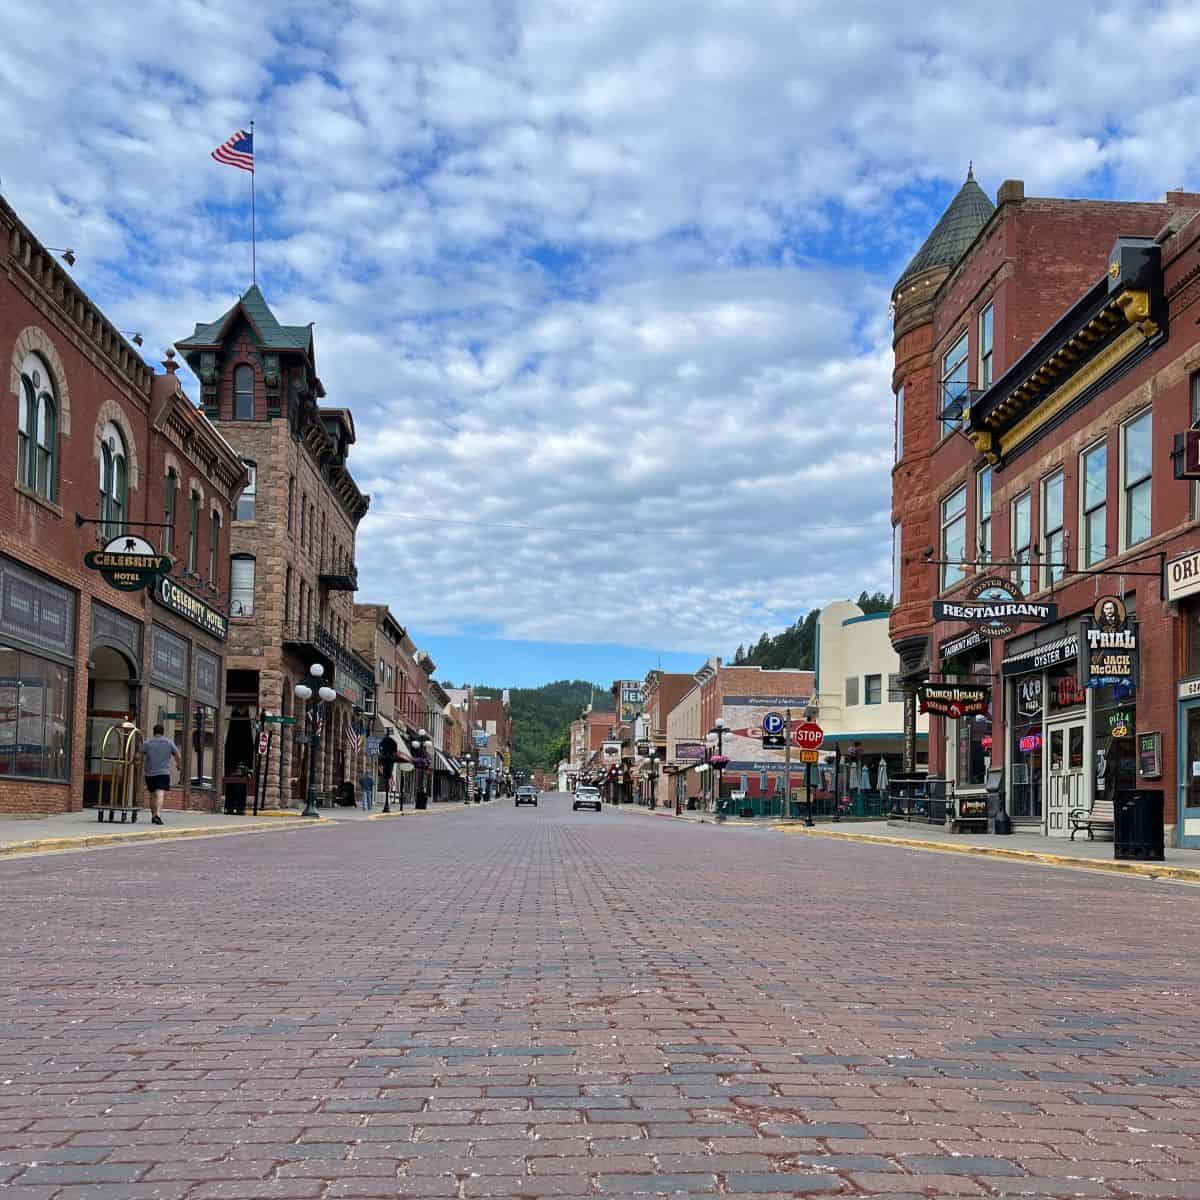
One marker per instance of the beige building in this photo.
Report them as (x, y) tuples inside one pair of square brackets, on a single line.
[(684, 750), (293, 574)]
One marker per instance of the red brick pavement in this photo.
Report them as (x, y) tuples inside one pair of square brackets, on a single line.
[(527, 1003)]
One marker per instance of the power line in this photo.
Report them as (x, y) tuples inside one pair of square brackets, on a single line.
[(609, 531)]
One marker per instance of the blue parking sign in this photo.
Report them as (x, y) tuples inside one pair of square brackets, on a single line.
[(772, 723)]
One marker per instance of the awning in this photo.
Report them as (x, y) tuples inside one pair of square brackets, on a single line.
[(442, 763), (403, 754)]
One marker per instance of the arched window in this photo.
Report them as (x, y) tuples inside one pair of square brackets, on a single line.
[(246, 501), (241, 586), (114, 481), (193, 550), (37, 429), (169, 511), (214, 543), (243, 394)]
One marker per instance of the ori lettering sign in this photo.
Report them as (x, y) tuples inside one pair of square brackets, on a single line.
[(128, 563), (995, 606), (1183, 575), (1108, 645), (954, 699)]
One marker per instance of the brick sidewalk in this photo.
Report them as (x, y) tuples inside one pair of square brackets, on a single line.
[(541, 1003)]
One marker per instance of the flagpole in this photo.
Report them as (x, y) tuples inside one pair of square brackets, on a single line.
[(253, 251)]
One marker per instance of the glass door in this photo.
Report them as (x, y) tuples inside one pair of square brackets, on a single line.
[(1189, 774), (1066, 787)]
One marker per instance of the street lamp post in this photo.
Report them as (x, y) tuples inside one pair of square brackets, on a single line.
[(324, 694), (421, 745), (718, 761)]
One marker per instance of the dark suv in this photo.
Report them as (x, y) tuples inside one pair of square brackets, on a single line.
[(526, 795)]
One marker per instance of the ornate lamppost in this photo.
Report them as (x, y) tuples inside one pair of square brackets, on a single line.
[(324, 695), (421, 748)]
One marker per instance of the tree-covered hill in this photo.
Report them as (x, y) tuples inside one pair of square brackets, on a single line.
[(796, 646)]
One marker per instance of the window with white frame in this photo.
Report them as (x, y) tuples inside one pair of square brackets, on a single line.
[(954, 384), (243, 394), (248, 499), (37, 429), (1022, 541), (986, 339), (241, 586), (1135, 479), (954, 537), (1054, 565), (900, 423), (1093, 474), (114, 481), (983, 543)]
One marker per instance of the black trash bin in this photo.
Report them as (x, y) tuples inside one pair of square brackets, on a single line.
[(1138, 824)]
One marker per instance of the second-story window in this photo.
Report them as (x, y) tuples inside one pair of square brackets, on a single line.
[(168, 541), (873, 689), (851, 690), (214, 544), (954, 537), (114, 482), (37, 429), (954, 385), (241, 585), (193, 551), (249, 497), (243, 394), (986, 319), (900, 423), (1022, 541), (1135, 479), (1054, 565), (983, 543), (1094, 504)]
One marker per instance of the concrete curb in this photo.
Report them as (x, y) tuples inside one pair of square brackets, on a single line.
[(154, 834), (428, 812), (1112, 866)]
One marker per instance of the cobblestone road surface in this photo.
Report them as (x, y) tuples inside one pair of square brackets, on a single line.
[(531, 1003)]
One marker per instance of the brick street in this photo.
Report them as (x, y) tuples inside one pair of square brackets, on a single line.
[(532, 1002)]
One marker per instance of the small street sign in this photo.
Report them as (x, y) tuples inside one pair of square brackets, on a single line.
[(264, 740), (773, 741), (372, 746), (809, 735), (809, 756), (772, 723), (277, 720)]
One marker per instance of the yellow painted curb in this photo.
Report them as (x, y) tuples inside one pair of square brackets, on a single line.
[(1147, 870), (90, 841)]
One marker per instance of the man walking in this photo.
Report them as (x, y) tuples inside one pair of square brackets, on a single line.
[(157, 752), (367, 784)]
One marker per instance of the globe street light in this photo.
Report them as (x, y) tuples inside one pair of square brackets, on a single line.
[(324, 694)]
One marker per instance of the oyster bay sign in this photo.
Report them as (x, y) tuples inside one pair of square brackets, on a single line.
[(995, 607)]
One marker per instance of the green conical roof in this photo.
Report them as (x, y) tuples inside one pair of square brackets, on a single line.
[(960, 224), (272, 334)]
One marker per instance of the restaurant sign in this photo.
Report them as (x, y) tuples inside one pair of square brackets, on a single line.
[(128, 563), (954, 699), (1182, 575), (995, 607), (170, 595), (1108, 645)]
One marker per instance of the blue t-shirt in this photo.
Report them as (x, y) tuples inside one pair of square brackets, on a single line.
[(157, 753)]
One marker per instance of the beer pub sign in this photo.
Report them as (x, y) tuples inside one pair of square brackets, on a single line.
[(954, 699)]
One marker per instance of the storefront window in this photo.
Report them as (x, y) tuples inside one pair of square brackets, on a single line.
[(35, 716), (204, 743), (1025, 752), (166, 709), (1114, 721), (1191, 617), (969, 739)]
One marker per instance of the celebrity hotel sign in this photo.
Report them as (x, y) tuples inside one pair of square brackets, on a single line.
[(995, 607), (170, 595)]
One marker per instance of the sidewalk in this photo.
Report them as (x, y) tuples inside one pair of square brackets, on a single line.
[(357, 814), (81, 830)]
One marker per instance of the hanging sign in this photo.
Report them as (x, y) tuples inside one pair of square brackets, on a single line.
[(170, 595), (995, 607), (954, 699), (128, 563), (1182, 575), (1108, 645), (610, 752)]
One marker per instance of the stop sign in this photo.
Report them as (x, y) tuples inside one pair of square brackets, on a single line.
[(809, 735)]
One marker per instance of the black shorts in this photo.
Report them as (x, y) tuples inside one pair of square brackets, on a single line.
[(158, 783)]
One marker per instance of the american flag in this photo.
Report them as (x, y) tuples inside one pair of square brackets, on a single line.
[(355, 736), (238, 151)]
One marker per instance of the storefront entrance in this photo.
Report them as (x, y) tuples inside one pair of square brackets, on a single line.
[(1189, 774), (1066, 782), (111, 699)]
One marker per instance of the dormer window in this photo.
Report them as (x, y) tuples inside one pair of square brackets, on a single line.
[(243, 393)]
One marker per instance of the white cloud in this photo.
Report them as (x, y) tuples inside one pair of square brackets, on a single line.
[(596, 268)]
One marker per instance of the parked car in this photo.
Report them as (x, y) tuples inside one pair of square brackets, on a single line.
[(526, 795), (586, 797)]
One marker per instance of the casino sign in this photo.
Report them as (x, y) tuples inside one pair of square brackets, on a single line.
[(995, 607), (128, 562)]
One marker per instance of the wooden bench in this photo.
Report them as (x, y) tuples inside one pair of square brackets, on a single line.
[(1099, 816)]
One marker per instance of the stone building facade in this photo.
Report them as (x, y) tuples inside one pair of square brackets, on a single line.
[(293, 572)]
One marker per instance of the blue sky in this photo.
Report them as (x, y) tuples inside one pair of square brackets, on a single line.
[(605, 283)]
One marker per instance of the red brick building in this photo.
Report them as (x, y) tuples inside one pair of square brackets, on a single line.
[(99, 446), (1045, 359)]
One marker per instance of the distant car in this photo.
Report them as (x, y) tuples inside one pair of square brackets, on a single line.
[(526, 795), (586, 797)]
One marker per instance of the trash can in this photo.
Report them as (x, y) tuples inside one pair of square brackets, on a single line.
[(1138, 824)]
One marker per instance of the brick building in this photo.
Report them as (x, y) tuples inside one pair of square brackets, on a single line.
[(1045, 359), (293, 573), (102, 446), (661, 692)]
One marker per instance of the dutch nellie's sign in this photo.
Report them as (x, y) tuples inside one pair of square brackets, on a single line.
[(1108, 645), (954, 699), (995, 607)]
